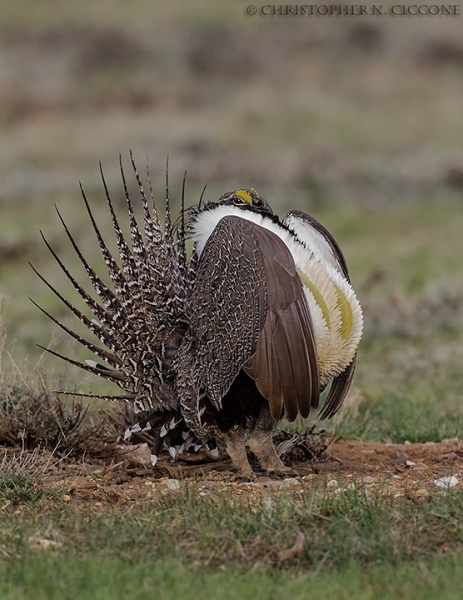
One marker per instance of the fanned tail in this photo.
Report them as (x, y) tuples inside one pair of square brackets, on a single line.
[(141, 321), (141, 317)]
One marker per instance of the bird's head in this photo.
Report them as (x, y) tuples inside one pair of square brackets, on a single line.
[(245, 199), (203, 217)]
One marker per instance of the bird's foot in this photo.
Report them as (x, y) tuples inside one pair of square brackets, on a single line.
[(236, 449), (282, 472), (246, 476)]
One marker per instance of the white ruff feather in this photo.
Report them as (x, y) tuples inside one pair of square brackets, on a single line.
[(314, 258)]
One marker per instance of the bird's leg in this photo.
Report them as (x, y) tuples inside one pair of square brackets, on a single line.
[(236, 448), (261, 443)]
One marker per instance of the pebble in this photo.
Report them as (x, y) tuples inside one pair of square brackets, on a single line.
[(282, 482), (369, 480), (66, 498), (446, 482), (173, 484), (138, 453), (291, 481)]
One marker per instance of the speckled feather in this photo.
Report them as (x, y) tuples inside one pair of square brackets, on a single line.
[(143, 320), (235, 325)]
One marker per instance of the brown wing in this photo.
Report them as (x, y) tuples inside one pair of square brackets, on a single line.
[(338, 391), (311, 222), (285, 363), (249, 310)]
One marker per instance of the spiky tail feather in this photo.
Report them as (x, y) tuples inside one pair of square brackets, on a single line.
[(141, 321)]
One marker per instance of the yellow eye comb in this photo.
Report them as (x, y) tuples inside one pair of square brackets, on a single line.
[(243, 194)]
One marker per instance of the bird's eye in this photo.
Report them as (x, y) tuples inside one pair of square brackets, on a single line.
[(238, 201)]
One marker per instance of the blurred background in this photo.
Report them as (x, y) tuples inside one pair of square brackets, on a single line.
[(357, 120)]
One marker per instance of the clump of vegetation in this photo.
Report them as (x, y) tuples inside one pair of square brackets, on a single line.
[(32, 416), (21, 477)]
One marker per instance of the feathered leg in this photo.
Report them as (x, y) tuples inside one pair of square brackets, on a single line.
[(261, 443), (236, 448)]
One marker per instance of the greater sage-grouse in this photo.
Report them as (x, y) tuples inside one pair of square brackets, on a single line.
[(250, 329)]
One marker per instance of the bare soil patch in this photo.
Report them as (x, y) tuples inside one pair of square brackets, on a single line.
[(406, 470)]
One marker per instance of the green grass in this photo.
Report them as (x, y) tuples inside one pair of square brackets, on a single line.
[(411, 389), (183, 544), (48, 578), (18, 488)]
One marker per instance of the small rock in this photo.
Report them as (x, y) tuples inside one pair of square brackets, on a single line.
[(139, 453), (66, 498), (410, 463), (407, 443), (332, 483), (280, 482), (369, 480), (82, 483), (290, 481), (173, 484), (446, 482)]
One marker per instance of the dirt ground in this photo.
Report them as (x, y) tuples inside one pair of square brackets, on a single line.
[(411, 471)]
